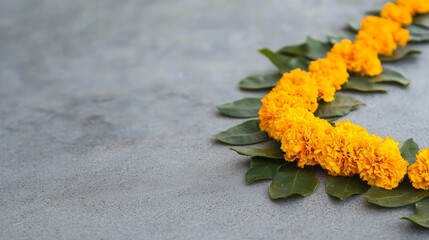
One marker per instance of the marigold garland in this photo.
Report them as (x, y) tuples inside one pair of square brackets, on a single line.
[(345, 149)]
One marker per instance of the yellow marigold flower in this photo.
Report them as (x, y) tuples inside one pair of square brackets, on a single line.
[(418, 172), (326, 91), (381, 163), (304, 86), (278, 101), (330, 74), (296, 77), (284, 120), (415, 6), (396, 13), (303, 141), (402, 36), (341, 153), (358, 58), (381, 34)]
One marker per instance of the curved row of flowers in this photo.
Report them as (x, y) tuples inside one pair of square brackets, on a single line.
[(345, 149)]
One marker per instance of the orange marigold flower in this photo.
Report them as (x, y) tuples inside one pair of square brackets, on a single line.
[(273, 105), (278, 101), (415, 6), (418, 172), (303, 141), (330, 74), (402, 36), (304, 86), (381, 163), (285, 120), (358, 58), (341, 153), (381, 34), (396, 13)]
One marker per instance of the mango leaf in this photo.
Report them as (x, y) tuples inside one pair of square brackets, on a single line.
[(421, 217), (291, 180), (354, 25), (284, 63), (243, 134), (341, 106), (409, 150), (399, 53), (272, 150), (312, 49), (418, 33), (338, 37), (344, 187), (258, 82), (421, 20), (373, 12), (390, 76), (362, 84), (403, 195), (263, 168), (244, 108)]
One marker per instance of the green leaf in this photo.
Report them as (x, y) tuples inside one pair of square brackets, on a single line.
[(297, 62), (421, 20), (341, 106), (263, 168), (344, 187), (418, 33), (390, 76), (272, 150), (244, 108), (338, 37), (403, 195), (373, 13), (399, 53), (354, 25), (312, 49), (421, 217), (409, 150), (258, 82), (291, 180), (243, 134), (362, 84), (284, 63)]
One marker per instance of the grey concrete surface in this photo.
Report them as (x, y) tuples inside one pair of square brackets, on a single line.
[(108, 111)]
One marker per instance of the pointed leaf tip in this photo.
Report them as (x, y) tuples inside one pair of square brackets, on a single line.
[(243, 108), (259, 82), (284, 63), (271, 150), (421, 215), (243, 134)]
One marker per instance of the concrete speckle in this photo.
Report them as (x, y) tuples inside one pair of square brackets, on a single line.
[(108, 112)]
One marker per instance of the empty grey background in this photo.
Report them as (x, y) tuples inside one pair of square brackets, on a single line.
[(108, 111)]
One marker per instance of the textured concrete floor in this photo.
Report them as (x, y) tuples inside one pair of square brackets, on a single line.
[(107, 112)]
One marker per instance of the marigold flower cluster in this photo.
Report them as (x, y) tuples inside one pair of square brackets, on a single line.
[(418, 172), (345, 149), (415, 6), (379, 35)]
